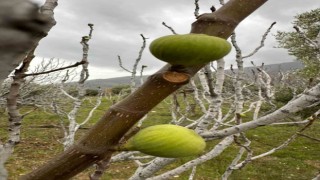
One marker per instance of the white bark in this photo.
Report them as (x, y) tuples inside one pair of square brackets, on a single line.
[(214, 114), (301, 102), (283, 145), (175, 108), (203, 81), (216, 151), (197, 97), (135, 65), (78, 100), (154, 166), (264, 83), (193, 172), (235, 161), (317, 177)]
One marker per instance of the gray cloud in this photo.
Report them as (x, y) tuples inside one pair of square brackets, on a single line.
[(119, 23)]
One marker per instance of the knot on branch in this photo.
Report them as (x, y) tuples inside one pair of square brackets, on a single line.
[(214, 24)]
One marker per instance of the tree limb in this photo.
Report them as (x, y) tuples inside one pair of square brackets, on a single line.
[(106, 133)]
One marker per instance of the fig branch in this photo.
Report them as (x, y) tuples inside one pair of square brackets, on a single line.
[(96, 144)]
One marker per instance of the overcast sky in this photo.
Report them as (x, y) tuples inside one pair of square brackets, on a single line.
[(118, 25)]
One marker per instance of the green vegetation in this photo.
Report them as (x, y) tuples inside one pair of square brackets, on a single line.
[(299, 161), (298, 45)]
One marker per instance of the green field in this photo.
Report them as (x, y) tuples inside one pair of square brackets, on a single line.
[(299, 161)]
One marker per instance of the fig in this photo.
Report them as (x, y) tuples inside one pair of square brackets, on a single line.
[(171, 141), (189, 49)]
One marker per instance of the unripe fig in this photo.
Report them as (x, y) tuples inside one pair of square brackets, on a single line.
[(167, 140), (189, 49)]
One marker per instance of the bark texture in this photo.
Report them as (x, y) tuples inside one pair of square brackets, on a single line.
[(98, 142)]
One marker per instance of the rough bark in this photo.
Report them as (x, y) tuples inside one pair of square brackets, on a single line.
[(107, 132), (15, 117), (214, 110), (81, 90)]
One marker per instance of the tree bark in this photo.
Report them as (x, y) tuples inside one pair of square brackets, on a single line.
[(22, 31), (304, 100), (107, 132)]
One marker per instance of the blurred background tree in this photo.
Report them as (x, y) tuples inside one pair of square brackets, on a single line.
[(304, 42)]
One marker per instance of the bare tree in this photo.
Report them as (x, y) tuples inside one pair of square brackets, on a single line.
[(77, 100), (123, 115)]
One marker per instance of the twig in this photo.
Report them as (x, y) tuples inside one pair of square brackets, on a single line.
[(216, 151), (303, 135), (298, 104), (169, 27), (197, 8), (283, 145), (193, 172), (28, 112), (141, 73), (54, 70), (264, 37), (101, 166), (98, 102), (244, 147), (291, 123), (135, 65), (120, 64)]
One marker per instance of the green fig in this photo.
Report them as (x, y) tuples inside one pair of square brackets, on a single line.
[(189, 49), (167, 140)]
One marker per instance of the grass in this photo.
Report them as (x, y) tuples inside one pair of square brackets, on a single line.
[(299, 161)]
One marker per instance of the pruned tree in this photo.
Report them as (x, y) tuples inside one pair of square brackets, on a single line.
[(133, 72), (99, 141), (116, 125), (76, 100)]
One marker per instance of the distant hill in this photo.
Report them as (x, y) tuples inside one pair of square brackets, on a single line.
[(108, 83), (275, 68)]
